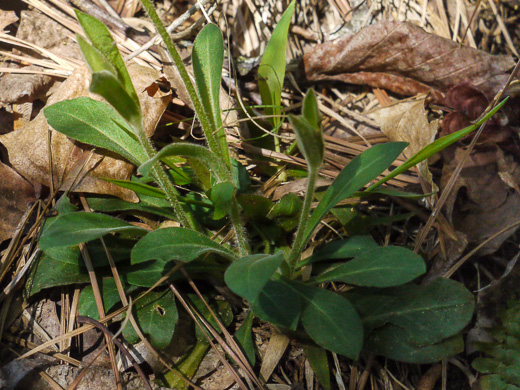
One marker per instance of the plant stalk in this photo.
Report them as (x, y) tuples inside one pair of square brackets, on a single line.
[(240, 234), (299, 241), (185, 219), (177, 60)]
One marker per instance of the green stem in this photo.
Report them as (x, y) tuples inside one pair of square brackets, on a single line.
[(240, 234), (299, 241), (185, 219), (177, 60)]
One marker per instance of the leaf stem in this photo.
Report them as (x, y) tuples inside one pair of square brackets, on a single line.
[(299, 241)]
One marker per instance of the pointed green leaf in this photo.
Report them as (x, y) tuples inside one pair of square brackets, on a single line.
[(107, 85), (102, 41), (146, 204), (310, 110), (271, 72), (310, 140), (95, 123), (317, 358), (248, 276), (176, 244), (208, 58), (385, 266), (360, 171), (222, 195), (244, 338), (139, 188), (75, 228)]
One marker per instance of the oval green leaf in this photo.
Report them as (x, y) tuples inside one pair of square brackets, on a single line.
[(95, 123), (385, 266)]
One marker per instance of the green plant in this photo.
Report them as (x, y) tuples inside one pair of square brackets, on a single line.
[(385, 312), (501, 370)]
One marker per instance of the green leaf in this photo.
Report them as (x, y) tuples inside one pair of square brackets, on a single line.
[(330, 320), (208, 58), (244, 338), (394, 343), (156, 314), (103, 42), (310, 140), (75, 228), (427, 313), (222, 195), (310, 110), (271, 72), (360, 171), (248, 276), (221, 308), (95, 123), (240, 177), (107, 85), (57, 267), (193, 151), (287, 211), (87, 303), (139, 188), (255, 206), (341, 249), (388, 191), (437, 146), (317, 358), (278, 304), (176, 244), (146, 204), (385, 266)]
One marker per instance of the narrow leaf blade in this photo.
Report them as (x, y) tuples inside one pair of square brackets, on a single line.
[(176, 244), (75, 228), (382, 267), (360, 171)]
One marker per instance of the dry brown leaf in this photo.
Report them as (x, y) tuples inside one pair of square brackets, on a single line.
[(481, 203), (408, 121), (403, 58), (15, 194), (38, 29), (28, 147)]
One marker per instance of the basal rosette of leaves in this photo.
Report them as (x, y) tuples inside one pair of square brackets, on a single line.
[(385, 312)]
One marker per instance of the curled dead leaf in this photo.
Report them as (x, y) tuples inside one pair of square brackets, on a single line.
[(403, 58)]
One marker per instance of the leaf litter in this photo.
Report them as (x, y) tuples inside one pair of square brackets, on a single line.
[(397, 56)]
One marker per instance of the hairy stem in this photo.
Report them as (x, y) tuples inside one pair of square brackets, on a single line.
[(177, 60), (299, 241)]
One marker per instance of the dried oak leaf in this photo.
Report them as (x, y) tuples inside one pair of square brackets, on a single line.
[(15, 194), (28, 147), (484, 199), (403, 58)]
